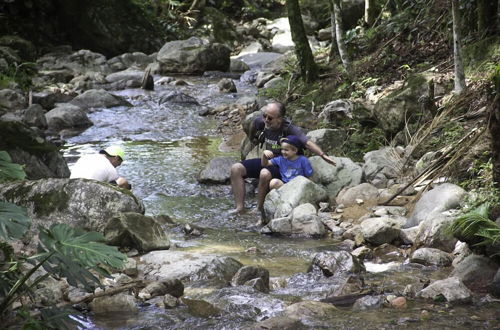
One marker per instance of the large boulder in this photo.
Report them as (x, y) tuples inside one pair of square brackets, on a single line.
[(364, 191), (336, 263), (40, 158), (330, 140), (442, 198), (83, 203), (188, 267), (402, 105), (476, 272), (67, 115), (11, 101), (137, 231), (433, 232), (452, 289), (381, 166), (193, 55), (280, 202), (345, 173), (378, 231), (99, 98)]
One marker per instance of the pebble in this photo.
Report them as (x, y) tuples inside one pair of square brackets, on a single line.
[(399, 303)]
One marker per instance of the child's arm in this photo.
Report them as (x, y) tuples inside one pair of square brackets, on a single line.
[(306, 167), (266, 155)]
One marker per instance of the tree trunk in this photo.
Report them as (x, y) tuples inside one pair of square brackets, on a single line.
[(308, 68), (370, 12), (486, 16), (340, 34), (333, 49), (457, 51), (494, 126)]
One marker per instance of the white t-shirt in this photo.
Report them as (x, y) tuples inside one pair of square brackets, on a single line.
[(95, 166)]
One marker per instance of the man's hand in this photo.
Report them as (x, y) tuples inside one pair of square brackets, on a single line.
[(269, 154), (328, 159)]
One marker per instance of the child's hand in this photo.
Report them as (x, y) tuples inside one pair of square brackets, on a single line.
[(268, 154)]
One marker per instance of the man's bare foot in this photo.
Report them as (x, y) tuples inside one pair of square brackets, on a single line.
[(237, 211)]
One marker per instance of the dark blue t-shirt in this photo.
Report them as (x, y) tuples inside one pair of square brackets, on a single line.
[(272, 138), (291, 169)]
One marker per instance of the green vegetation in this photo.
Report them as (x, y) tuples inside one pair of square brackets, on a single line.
[(20, 74), (63, 252)]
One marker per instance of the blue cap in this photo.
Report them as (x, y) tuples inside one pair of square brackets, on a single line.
[(294, 141)]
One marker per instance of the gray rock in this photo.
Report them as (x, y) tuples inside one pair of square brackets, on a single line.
[(128, 60), (495, 285), (177, 97), (218, 170), (258, 60), (378, 231), (193, 56), (11, 101), (279, 225), (368, 303), (476, 272), (280, 202), (34, 115), (345, 174), (442, 198), (99, 98), (328, 139), (336, 263), (338, 110), (278, 323), (238, 66), (129, 74), (136, 231), (227, 85), (364, 191), (274, 83), (40, 158), (431, 257), (248, 273), (313, 314), (87, 204), (452, 289), (188, 267), (121, 302), (67, 115), (381, 166), (432, 232)]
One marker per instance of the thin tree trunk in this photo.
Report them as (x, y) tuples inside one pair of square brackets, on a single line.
[(340, 34), (457, 51), (370, 12), (333, 49), (494, 126), (308, 68)]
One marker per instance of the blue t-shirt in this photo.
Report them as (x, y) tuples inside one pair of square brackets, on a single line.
[(291, 169)]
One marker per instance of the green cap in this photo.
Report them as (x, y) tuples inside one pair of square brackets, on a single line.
[(114, 151)]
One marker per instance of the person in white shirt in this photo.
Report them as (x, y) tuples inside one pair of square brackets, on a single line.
[(101, 167)]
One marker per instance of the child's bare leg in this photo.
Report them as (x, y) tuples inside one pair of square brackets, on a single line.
[(275, 184)]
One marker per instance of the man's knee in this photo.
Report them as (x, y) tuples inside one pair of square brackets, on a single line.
[(123, 183), (238, 169), (265, 174)]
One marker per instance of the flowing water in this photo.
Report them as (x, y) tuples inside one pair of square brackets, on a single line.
[(166, 147)]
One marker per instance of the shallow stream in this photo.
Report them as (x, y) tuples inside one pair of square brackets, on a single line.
[(166, 147)]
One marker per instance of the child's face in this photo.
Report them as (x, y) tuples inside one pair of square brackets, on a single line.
[(288, 151)]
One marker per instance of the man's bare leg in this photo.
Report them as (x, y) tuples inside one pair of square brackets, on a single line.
[(238, 171), (263, 188)]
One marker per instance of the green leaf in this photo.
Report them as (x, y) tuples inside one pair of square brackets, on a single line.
[(8, 170), (76, 252), (14, 221)]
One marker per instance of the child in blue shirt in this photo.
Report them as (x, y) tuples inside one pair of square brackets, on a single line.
[(291, 163)]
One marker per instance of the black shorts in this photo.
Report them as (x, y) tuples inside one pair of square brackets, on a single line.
[(253, 167)]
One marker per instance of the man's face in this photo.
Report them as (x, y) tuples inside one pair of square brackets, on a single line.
[(272, 118), (115, 161)]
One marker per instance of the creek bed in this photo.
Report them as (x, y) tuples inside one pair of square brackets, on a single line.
[(166, 147)]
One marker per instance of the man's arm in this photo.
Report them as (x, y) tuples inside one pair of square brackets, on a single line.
[(317, 150)]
